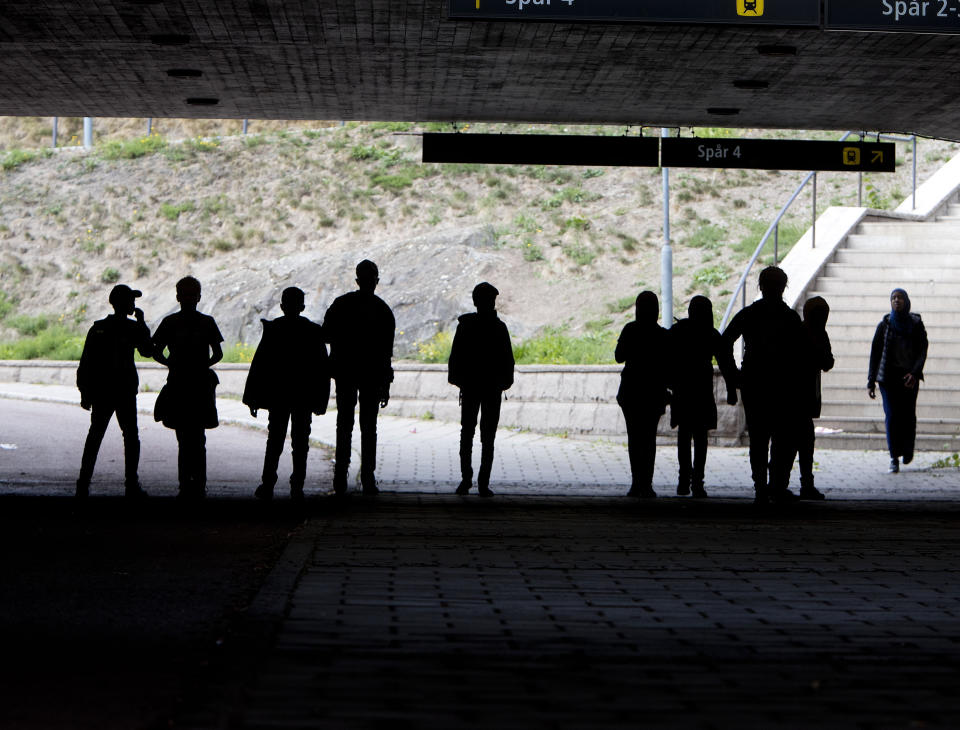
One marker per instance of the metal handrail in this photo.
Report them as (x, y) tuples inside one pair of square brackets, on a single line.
[(774, 227)]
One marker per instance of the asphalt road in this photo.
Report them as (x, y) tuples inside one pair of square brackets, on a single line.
[(41, 444)]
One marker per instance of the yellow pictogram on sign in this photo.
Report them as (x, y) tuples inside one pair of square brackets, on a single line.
[(851, 156), (750, 8)]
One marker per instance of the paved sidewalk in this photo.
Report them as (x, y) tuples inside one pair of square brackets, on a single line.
[(422, 456)]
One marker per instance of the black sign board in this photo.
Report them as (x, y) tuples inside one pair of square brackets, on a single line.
[(907, 16), (750, 12), (541, 149), (773, 154)]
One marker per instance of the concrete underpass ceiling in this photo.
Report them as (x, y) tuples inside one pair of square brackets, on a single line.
[(403, 60)]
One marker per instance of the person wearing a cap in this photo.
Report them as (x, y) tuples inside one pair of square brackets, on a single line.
[(360, 328), (108, 384), (481, 365), (290, 378), (188, 401)]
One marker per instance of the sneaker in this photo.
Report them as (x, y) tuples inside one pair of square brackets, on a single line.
[(296, 493), (783, 496), (894, 466), (683, 489), (340, 484), (485, 491), (135, 491), (642, 493), (811, 493), (264, 493), (464, 487), (908, 457), (699, 493), (369, 485), (761, 496)]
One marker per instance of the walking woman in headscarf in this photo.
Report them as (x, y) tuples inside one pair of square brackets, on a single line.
[(897, 356)]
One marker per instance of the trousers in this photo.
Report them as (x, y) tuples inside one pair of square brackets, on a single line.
[(487, 405), (125, 408), (300, 420)]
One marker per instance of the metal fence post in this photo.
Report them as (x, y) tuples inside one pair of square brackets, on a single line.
[(245, 125), (88, 132), (813, 226), (914, 172), (56, 124), (666, 254), (149, 126)]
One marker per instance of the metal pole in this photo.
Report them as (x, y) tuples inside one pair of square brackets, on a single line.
[(149, 126), (776, 245), (88, 132), (813, 227), (914, 172), (56, 124), (859, 189), (245, 124), (666, 254)]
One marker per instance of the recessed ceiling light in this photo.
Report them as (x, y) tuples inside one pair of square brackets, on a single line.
[(751, 84), (723, 111), (184, 73), (202, 101), (169, 39), (775, 49)]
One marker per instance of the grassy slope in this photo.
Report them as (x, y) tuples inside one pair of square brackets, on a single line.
[(72, 223)]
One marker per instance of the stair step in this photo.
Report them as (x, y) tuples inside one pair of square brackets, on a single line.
[(854, 440), (863, 407), (881, 244), (829, 286), (928, 426), (913, 229), (902, 273), (895, 258)]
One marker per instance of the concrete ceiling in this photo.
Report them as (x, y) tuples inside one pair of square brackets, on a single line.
[(403, 60)]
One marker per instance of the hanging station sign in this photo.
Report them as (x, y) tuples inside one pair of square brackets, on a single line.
[(541, 149), (749, 12), (775, 154), (906, 16)]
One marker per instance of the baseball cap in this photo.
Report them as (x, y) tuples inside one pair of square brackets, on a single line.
[(122, 292)]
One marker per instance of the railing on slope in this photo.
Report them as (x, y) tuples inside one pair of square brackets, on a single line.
[(774, 228)]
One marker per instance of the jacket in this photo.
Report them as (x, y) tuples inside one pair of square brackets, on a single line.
[(883, 340), (481, 357), (290, 368), (106, 367)]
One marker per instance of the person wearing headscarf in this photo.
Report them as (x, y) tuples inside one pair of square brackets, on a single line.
[(643, 395), (819, 359), (694, 343), (897, 357)]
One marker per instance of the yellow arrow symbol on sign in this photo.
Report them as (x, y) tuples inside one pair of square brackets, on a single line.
[(877, 156)]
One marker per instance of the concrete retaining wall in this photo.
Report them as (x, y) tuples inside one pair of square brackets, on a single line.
[(578, 400)]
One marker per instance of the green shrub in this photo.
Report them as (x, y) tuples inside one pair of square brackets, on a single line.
[(16, 157), (532, 253), (621, 305), (7, 304), (239, 352), (709, 277), (581, 255), (790, 233), (436, 349), (555, 348), (110, 275), (708, 236), (172, 211), (131, 149), (27, 325), (52, 343)]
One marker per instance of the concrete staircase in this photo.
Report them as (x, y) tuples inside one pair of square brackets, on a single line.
[(879, 255)]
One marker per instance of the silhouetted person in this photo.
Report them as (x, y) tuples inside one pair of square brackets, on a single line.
[(289, 377), (897, 357), (643, 394), (359, 327), (108, 384), (481, 365), (772, 347), (694, 343), (818, 359), (188, 402)]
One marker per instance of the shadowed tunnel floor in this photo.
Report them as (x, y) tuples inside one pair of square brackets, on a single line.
[(435, 611)]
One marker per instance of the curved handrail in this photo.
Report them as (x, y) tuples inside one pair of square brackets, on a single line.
[(741, 285)]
